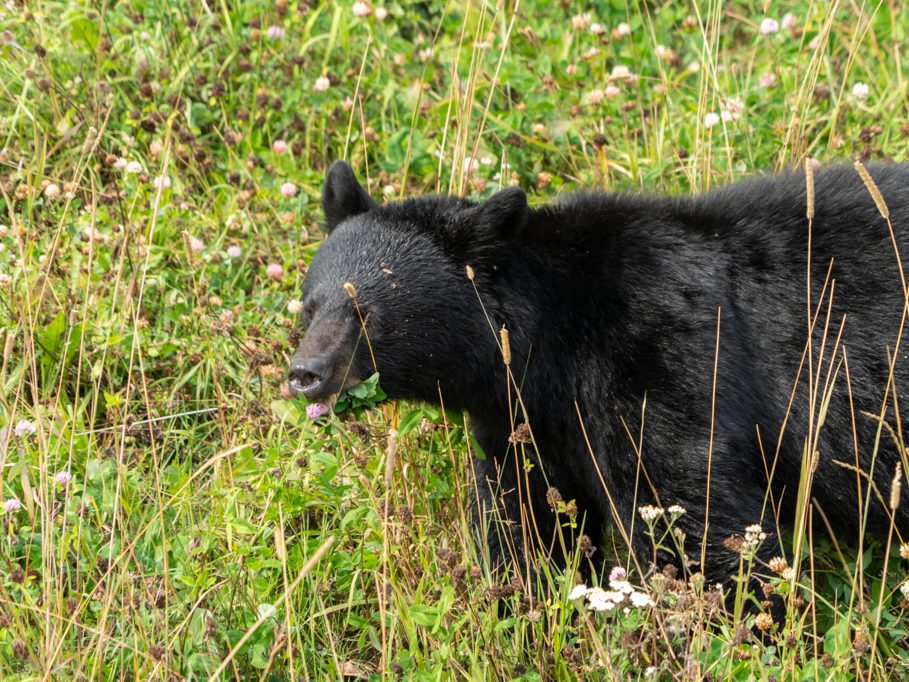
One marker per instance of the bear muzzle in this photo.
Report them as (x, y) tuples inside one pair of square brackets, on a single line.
[(312, 376)]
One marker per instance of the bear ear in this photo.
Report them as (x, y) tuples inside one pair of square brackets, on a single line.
[(503, 214), (343, 196)]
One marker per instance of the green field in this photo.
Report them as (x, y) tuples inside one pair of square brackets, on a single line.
[(170, 513)]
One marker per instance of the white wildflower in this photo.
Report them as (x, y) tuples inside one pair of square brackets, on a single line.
[(860, 91), (769, 26)]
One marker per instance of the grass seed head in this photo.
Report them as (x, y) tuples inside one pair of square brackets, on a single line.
[(873, 190)]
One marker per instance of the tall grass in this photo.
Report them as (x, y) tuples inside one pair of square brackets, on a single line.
[(175, 515)]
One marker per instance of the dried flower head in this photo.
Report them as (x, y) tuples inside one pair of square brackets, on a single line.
[(763, 622), (778, 564)]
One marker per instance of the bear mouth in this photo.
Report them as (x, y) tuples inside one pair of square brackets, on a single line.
[(321, 386)]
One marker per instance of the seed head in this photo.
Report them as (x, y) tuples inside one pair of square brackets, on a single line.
[(809, 187), (350, 289), (506, 345), (873, 190), (896, 486)]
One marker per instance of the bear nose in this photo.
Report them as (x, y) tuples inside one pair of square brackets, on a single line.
[(309, 376)]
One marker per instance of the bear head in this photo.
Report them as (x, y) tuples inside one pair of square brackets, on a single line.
[(388, 291)]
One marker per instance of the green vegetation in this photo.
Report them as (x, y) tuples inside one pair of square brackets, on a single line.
[(171, 514)]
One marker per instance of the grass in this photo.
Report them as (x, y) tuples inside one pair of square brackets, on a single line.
[(149, 257)]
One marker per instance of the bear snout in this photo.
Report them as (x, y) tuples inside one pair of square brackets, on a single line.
[(311, 376)]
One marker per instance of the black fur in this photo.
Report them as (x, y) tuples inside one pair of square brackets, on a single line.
[(611, 299)]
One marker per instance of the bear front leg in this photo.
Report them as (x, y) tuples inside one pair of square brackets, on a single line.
[(512, 513)]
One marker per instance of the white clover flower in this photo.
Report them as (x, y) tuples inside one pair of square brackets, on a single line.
[(617, 573), (155, 147), (381, 13), (623, 29), (162, 181), (769, 26), (12, 505), (275, 32), (620, 72), (295, 306), (322, 84), (63, 477), (288, 190), (120, 163), (767, 79), (361, 9), (711, 119), (425, 54), (860, 91), (470, 165), (904, 589), (5, 280), (580, 21), (195, 244), (790, 21), (388, 190), (597, 29), (52, 191), (25, 428), (133, 167), (234, 251), (612, 91), (733, 107)]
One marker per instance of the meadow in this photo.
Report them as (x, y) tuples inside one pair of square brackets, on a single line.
[(170, 512)]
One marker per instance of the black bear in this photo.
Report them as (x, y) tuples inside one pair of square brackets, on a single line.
[(659, 347)]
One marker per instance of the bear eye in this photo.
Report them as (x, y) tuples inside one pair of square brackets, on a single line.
[(309, 311)]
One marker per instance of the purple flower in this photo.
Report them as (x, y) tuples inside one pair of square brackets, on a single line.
[(63, 477), (317, 410), (12, 505), (617, 574), (25, 428)]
